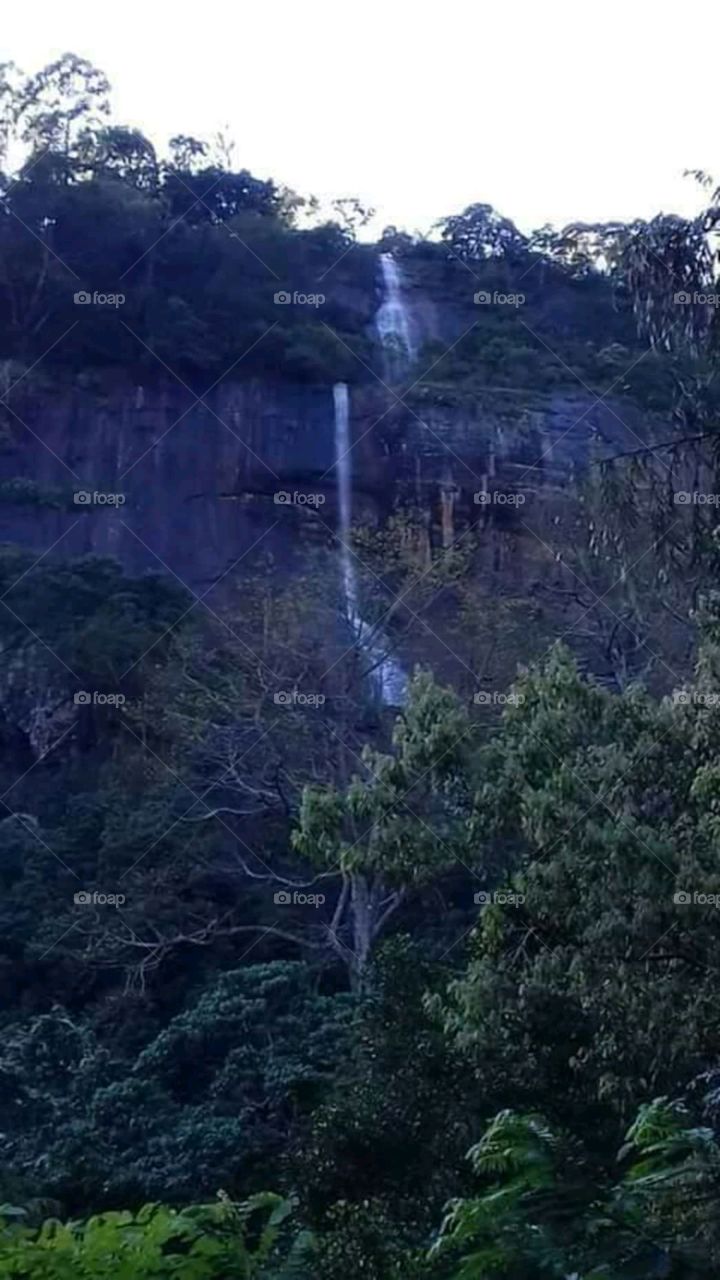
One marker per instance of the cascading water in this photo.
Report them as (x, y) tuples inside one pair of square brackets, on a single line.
[(393, 321), (395, 330), (343, 466), (387, 675)]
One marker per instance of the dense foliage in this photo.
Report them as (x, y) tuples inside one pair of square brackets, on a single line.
[(197, 250), (222, 1241)]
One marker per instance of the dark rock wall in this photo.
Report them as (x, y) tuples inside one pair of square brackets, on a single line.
[(198, 478)]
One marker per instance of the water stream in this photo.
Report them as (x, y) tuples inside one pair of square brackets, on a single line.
[(387, 674), (393, 321), (394, 327)]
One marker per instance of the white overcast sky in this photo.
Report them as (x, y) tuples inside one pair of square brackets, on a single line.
[(552, 111)]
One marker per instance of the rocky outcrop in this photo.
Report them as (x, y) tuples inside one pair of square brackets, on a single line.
[(158, 478)]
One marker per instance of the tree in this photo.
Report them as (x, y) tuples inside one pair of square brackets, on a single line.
[(353, 214), (669, 265), (394, 826), (129, 155), (385, 1150), (480, 233), (605, 807), (58, 109), (211, 1100), (550, 1209), (365, 844), (252, 1240)]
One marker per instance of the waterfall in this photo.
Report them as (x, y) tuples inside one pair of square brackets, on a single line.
[(387, 675), (343, 466), (393, 321), (395, 330)]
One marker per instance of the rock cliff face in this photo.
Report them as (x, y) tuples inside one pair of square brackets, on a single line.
[(209, 487), (198, 479)]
